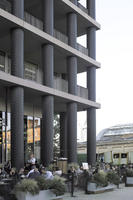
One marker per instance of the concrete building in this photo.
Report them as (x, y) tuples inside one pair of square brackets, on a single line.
[(39, 62)]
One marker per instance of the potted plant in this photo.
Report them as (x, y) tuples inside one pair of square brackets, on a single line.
[(27, 189), (39, 189), (98, 183), (129, 177), (113, 178)]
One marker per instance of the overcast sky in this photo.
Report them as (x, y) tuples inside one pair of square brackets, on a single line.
[(115, 53)]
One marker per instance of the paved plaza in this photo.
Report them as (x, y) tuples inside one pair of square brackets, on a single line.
[(124, 193)]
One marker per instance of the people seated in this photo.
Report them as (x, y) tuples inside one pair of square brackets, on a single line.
[(46, 174), (33, 173)]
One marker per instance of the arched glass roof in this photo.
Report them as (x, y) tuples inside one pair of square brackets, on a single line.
[(118, 132)]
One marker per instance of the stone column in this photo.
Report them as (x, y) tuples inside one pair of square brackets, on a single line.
[(63, 135), (48, 80), (72, 88), (17, 93), (91, 8), (91, 84), (18, 8)]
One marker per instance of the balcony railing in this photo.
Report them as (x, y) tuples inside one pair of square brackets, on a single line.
[(62, 85), (81, 7), (60, 36), (5, 5), (82, 49)]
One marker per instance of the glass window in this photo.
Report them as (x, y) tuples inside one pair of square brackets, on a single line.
[(124, 155), (116, 155), (2, 61), (28, 137), (37, 123), (30, 71), (8, 136)]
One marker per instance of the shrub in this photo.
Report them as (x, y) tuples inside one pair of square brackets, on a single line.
[(42, 183), (113, 178), (28, 185), (57, 186), (100, 179)]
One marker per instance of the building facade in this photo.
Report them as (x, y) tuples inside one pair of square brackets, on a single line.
[(39, 62), (113, 145)]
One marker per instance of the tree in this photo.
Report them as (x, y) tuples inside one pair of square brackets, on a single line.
[(56, 135)]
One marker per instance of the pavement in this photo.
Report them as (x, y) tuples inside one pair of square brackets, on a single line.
[(123, 193)]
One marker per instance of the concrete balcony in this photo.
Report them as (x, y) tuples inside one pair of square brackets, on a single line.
[(62, 85), (39, 24), (81, 7)]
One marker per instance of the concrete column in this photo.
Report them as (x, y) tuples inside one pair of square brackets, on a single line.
[(72, 132), (18, 8), (72, 75), (48, 80), (91, 8), (17, 93), (91, 84), (17, 52), (63, 135), (72, 29), (72, 88), (17, 127), (47, 130), (47, 61), (48, 16)]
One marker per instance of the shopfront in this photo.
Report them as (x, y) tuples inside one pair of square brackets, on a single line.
[(31, 137)]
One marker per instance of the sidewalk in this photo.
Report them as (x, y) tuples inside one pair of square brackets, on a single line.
[(124, 193)]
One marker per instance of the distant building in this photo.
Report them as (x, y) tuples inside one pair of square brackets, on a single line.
[(114, 145)]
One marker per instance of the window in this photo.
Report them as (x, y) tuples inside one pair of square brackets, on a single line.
[(116, 155), (124, 155), (30, 71), (2, 61)]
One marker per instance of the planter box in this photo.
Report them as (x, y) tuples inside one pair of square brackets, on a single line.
[(44, 194), (93, 189), (129, 182)]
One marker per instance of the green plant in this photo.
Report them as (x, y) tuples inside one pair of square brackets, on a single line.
[(81, 158), (57, 186), (113, 178), (129, 172), (100, 179), (50, 167), (43, 183), (27, 185), (74, 165)]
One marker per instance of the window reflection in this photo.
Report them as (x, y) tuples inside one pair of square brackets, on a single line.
[(31, 137)]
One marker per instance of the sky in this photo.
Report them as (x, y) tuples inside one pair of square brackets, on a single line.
[(114, 50)]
